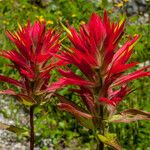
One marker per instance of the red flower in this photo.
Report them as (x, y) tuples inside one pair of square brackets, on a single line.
[(33, 58), (95, 52), (94, 47), (114, 97)]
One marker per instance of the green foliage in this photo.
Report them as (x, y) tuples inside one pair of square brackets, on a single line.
[(14, 129), (56, 125)]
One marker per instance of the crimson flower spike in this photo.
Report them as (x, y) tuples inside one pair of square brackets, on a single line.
[(95, 52), (33, 59)]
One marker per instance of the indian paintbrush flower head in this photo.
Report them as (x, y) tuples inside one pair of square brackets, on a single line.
[(33, 58), (104, 83)]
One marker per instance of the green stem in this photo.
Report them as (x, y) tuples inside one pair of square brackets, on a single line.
[(32, 136)]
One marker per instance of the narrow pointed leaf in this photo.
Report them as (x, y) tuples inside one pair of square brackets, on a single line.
[(132, 76), (70, 108), (26, 100), (14, 129), (10, 80), (69, 81), (66, 29), (8, 92), (110, 140), (130, 115), (88, 123)]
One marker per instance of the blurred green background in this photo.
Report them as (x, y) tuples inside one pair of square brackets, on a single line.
[(57, 127)]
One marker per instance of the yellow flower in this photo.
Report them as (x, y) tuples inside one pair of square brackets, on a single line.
[(23, 6), (50, 22), (74, 15), (34, 7), (5, 22), (82, 22), (58, 12), (135, 34), (41, 18), (125, 1), (110, 11), (119, 4)]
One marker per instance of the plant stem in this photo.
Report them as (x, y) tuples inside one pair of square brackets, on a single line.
[(32, 128), (100, 145)]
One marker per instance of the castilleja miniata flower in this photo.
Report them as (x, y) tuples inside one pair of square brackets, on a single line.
[(103, 64), (33, 59)]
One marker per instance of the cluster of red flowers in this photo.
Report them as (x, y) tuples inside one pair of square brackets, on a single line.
[(33, 59), (95, 52)]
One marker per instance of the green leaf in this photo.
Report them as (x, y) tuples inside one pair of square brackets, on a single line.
[(130, 115), (14, 129), (72, 107), (66, 29), (88, 123), (66, 48), (84, 117), (74, 110), (110, 140), (26, 100), (104, 3)]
